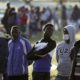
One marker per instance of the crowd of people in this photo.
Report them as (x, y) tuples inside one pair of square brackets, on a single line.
[(28, 20), (17, 53), (31, 20)]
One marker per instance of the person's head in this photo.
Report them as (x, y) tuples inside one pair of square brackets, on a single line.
[(48, 30), (69, 34), (66, 36), (15, 32), (12, 10), (8, 5)]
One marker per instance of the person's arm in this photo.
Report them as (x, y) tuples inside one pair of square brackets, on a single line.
[(32, 56), (74, 51), (43, 52)]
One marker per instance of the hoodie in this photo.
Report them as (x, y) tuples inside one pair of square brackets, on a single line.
[(63, 53)]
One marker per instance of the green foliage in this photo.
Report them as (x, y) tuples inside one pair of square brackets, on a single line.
[(57, 36)]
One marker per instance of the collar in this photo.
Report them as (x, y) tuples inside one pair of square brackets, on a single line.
[(16, 39)]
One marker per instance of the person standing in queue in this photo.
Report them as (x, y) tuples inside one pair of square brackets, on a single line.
[(42, 53), (17, 66)]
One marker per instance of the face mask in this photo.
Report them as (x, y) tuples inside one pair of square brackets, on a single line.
[(66, 37)]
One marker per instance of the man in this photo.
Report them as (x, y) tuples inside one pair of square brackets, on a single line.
[(5, 17), (3, 52), (17, 66), (63, 53), (75, 57), (42, 54)]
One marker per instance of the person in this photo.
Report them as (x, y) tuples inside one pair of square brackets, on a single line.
[(4, 20), (12, 19), (63, 53), (56, 17), (63, 15), (17, 65), (3, 51), (41, 53), (75, 56)]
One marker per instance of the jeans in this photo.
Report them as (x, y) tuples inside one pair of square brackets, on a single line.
[(59, 77), (41, 75)]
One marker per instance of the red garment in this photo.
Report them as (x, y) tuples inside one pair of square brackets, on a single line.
[(23, 19)]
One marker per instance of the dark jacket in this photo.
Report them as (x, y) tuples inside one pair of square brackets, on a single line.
[(75, 57), (3, 53), (43, 56)]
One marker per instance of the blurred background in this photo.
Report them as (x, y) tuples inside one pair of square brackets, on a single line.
[(38, 13)]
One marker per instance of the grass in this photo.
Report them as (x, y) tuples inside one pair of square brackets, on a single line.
[(78, 36), (57, 35)]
